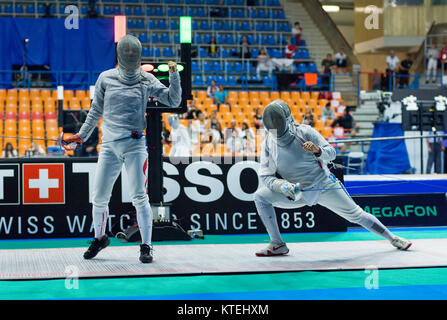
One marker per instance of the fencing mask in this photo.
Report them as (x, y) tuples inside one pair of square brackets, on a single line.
[(129, 60), (278, 120), (173, 121)]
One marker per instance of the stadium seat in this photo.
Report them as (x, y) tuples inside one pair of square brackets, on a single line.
[(30, 8), (198, 80), (195, 67), (216, 66), (165, 38), (143, 38), (167, 52), (154, 38)]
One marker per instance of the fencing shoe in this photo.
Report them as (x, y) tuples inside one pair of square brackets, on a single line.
[(401, 243), (96, 246), (146, 253), (273, 249)]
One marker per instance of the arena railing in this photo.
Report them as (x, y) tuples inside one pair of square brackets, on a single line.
[(339, 144), (415, 81)]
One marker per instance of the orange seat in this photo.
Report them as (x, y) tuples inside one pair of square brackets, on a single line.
[(45, 94), (201, 95), (80, 94), (305, 95), (295, 95), (3, 94), (85, 103), (274, 95), (68, 94), (284, 95), (253, 95), (11, 107), (243, 95), (314, 95), (37, 107), (34, 93), (75, 104)]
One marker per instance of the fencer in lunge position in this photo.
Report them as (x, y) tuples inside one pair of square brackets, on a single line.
[(299, 154), (121, 95), (181, 141)]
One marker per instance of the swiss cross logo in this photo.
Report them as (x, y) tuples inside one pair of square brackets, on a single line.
[(43, 183)]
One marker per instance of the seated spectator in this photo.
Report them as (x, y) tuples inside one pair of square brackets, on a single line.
[(88, 148), (247, 139), (211, 92), (257, 119), (308, 117), (297, 32), (9, 151), (341, 61), (221, 97), (221, 11), (264, 63), (286, 63), (35, 150), (290, 51), (327, 113), (347, 122), (192, 111), (244, 49), (214, 129), (198, 127), (212, 48), (232, 139)]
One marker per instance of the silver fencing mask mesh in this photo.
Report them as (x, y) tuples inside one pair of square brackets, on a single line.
[(129, 60), (275, 119), (278, 120)]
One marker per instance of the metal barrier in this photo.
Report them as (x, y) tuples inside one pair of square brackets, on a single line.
[(416, 81), (364, 141)]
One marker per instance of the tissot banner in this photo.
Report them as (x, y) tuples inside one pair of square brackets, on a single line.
[(51, 198)]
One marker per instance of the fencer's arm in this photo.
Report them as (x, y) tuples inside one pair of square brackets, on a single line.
[(328, 152), (96, 111), (171, 96)]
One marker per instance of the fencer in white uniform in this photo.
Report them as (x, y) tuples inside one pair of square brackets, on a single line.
[(299, 155), (121, 95), (181, 141)]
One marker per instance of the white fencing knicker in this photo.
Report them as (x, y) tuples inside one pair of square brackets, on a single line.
[(133, 153)]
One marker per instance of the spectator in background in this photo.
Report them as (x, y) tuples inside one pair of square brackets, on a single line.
[(341, 60), (432, 63), (247, 138), (392, 62), (297, 32), (290, 51), (376, 80), (9, 151), (308, 117), (221, 11), (232, 139), (198, 126), (435, 148), (346, 121), (404, 70), (181, 141), (327, 113), (264, 63), (165, 134), (35, 150), (212, 48), (211, 91), (328, 65), (244, 49), (221, 97), (257, 119), (214, 128), (192, 112), (88, 148), (443, 58)]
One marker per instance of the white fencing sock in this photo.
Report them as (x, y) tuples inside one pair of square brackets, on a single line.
[(371, 223), (268, 217), (144, 220), (100, 216)]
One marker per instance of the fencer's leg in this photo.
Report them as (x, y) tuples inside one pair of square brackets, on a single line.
[(107, 171), (136, 167), (340, 202), (268, 216)]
